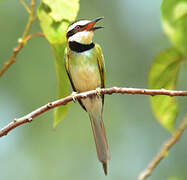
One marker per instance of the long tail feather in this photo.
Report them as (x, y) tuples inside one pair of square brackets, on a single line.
[(105, 168), (100, 140)]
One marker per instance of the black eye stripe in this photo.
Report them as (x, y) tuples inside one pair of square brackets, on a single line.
[(74, 30), (71, 33)]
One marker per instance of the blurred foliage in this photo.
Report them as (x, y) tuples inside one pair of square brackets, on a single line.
[(54, 22), (131, 38), (174, 14), (165, 68), (62, 9), (54, 19), (163, 74), (175, 178)]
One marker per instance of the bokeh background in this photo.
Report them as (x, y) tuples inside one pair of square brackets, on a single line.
[(131, 39)]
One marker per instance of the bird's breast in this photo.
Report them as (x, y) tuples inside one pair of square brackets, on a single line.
[(85, 72)]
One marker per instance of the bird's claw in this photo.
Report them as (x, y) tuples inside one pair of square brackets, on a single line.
[(73, 95), (98, 91)]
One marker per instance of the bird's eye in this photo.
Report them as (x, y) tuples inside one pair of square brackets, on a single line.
[(77, 28)]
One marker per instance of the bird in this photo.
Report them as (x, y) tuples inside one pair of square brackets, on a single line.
[(85, 67)]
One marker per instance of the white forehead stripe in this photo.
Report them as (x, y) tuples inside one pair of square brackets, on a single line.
[(81, 22)]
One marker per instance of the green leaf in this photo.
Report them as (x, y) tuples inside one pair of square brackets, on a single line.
[(62, 80), (54, 16), (163, 74), (180, 10), (174, 19), (63, 9), (55, 32)]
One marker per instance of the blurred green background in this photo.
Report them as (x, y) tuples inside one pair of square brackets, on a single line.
[(131, 39)]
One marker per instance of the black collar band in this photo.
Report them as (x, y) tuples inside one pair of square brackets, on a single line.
[(78, 47)]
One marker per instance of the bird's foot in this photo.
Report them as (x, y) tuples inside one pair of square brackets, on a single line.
[(73, 95), (98, 91)]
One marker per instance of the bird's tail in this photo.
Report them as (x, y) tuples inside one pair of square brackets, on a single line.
[(100, 140)]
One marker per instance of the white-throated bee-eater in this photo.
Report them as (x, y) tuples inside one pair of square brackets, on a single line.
[(86, 70)]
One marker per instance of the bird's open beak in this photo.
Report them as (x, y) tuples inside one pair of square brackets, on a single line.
[(90, 25)]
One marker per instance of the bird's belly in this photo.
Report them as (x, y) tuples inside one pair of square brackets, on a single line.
[(86, 78)]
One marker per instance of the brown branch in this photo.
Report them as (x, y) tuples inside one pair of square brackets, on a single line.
[(34, 35), (164, 151), (22, 41), (29, 117), (16, 51), (30, 20)]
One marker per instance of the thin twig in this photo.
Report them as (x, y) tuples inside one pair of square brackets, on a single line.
[(34, 35), (25, 6), (30, 20), (29, 117), (22, 41), (164, 151), (16, 51)]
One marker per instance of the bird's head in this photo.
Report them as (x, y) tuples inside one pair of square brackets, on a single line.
[(82, 31)]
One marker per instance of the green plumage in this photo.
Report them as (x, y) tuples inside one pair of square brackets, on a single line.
[(86, 71)]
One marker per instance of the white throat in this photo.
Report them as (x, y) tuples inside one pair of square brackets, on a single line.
[(83, 37)]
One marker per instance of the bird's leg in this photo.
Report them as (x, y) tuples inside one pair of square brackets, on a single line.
[(98, 91), (73, 95)]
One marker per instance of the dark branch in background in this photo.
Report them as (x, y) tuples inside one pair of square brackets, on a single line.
[(164, 151), (25, 37), (29, 117)]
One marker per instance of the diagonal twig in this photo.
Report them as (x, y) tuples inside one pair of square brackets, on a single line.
[(164, 151), (29, 117), (16, 51), (22, 41), (25, 6)]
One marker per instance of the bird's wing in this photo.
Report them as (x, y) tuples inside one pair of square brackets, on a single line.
[(67, 69), (69, 75), (101, 65)]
